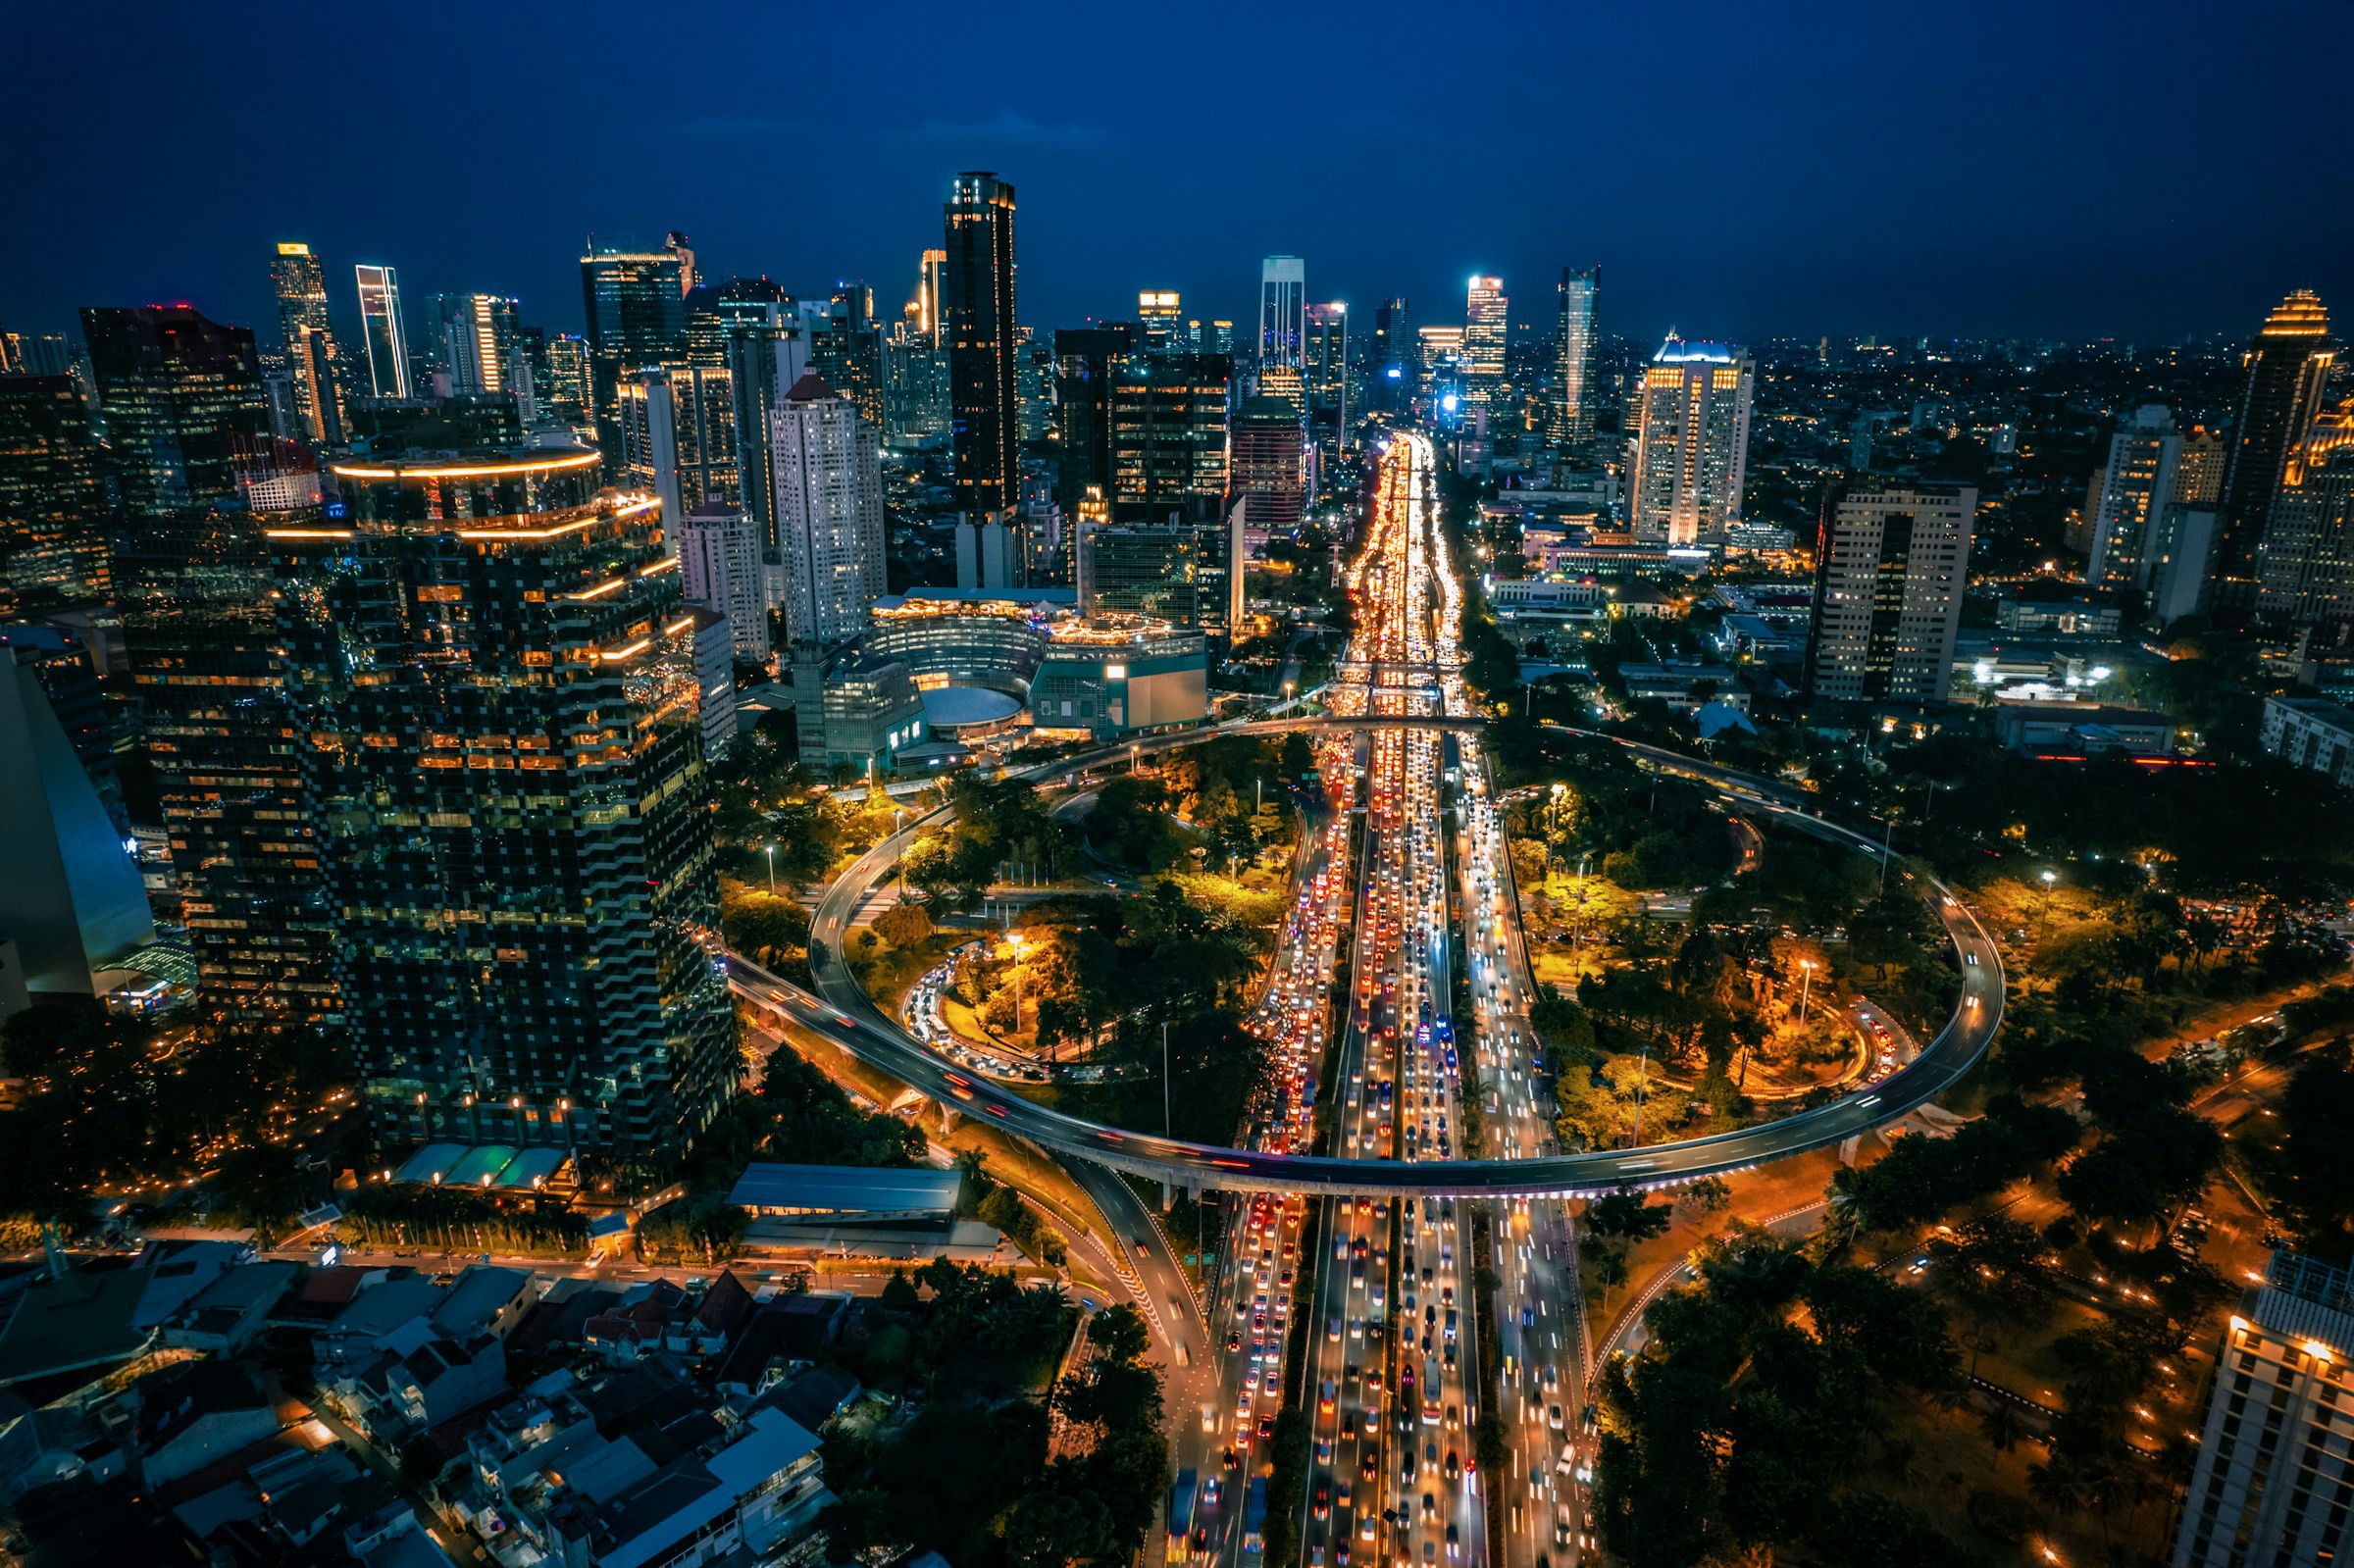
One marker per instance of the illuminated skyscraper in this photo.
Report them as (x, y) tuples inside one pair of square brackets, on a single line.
[(828, 514), (1396, 356), (847, 348), (1270, 467), (985, 417), (677, 438), (1168, 435), (1085, 358), (2137, 484), (497, 688), (567, 394), (719, 557), (2306, 561), (1326, 368), (636, 302), (1162, 316), (383, 333), (480, 341), (300, 285), (2286, 373), (52, 496), (1281, 310), (930, 287), (1573, 388), (1891, 566), (1485, 309), (1692, 447)]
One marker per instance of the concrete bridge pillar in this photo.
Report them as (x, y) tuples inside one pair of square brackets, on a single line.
[(1168, 1194), (948, 1118)]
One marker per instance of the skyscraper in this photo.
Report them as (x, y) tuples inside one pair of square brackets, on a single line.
[(1574, 389), (719, 560), (635, 301), (300, 285), (383, 333), (2137, 484), (2306, 563), (931, 287), (1692, 449), (1327, 369), (481, 344), (828, 513), (849, 349), (183, 397), (1168, 435), (678, 439), (496, 686), (1890, 567), (1485, 312), (1270, 469), (1160, 316), (1396, 356), (2285, 372), (1281, 310), (52, 496), (978, 311), (2273, 1481), (1085, 358)]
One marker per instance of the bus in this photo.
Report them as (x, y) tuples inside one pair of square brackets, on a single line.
[(1254, 1518), (1431, 1393), (1181, 1517)]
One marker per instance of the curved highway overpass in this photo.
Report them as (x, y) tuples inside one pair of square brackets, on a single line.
[(846, 1016)]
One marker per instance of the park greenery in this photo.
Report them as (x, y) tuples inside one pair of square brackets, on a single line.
[(968, 1474)]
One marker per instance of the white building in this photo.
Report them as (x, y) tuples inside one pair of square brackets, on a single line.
[(1692, 441), (1891, 598), (2310, 733), (719, 566), (829, 478), (2136, 486)]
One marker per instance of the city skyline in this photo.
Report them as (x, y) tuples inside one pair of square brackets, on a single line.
[(1974, 229)]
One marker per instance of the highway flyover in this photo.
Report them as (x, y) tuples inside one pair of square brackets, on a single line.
[(843, 1014)]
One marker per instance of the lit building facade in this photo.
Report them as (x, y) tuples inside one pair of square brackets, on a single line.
[(1086, 360), (53, 547), (2273, 1481), (498, 683), (384, 331), (1269, 467), (300, 285), (1281, 310), (1160, 320), (184, 400), (1396, 357), (677, 438), (1328, 371), (829, 478), (1692, 447), (719, 561), (2144, 458), (2286, 370), (1486, 311), (1168, 434), (1573, 388), (1892, 563), (1119, 675), (978, 314), (635, 305), (2305, 566)]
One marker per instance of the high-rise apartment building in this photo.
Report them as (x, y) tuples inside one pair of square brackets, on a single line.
[(978, 311), (1033, 387), (2199, 476), (1486, 311), (2273, 1481), (1692, 443), (678, 437), (568, 396), (1086, 360), (300, 285), (915, 387), (719, 561), (183, 398), (383, 333), (1168, 435), (53, 547), (829, 471), (2137, 482), (2305, 566), (1328, 372), (481, 344), (1891, 564), (846, 348), (1281, 310), (635, 301), (1573, 388), (495, 681), (2286, 369)]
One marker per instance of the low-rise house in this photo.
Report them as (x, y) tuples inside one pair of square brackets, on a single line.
[(177, 1420), (231, 1312), (485, 1300), (407, 1389)]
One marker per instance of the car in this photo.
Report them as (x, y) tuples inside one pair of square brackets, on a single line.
[(1552, 1417), (1234, 1340), (1322, 1506), (1332, 1330), (1455, 1542), (1430, 1507), (1528, 1315), (1267, 1425)]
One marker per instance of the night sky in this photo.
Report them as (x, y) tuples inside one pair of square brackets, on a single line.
[(1740, 171)]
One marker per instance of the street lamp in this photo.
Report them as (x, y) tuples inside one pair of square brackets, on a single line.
[(2043, 921), (1016, 939), (1806, 982), (772, 868)]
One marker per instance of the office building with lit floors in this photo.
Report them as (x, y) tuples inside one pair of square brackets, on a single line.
[(495, 681), (1892, 563), (827, 460), (1692, 441), (2273, 1485)]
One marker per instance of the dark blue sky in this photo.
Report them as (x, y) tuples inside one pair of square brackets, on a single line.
[(1742, 169)]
